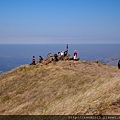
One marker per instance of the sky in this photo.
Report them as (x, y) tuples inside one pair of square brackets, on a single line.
[(59, 21)]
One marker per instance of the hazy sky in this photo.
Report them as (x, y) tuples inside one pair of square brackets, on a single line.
[(59, 21)]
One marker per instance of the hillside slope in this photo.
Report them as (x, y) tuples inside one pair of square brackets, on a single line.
[(62, 88)]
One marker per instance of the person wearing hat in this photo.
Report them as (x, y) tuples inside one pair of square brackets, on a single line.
[(75, 54)]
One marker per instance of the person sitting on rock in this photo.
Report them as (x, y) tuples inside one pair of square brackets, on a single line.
[(55, 57), (33, 61), (49, 54), (62, 53), (59, 56), (59, 53), (65, 53), (40, 59)]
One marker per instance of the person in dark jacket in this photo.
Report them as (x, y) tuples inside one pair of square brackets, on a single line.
[(40, 59), (119, 64), (55, 57), (66, 49)]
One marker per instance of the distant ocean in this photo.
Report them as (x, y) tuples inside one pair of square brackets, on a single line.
[(15, 55)]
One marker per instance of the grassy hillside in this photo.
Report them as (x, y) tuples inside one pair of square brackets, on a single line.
[(61, 88)]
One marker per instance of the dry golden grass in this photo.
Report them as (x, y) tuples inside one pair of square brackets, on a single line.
[(62, 88)]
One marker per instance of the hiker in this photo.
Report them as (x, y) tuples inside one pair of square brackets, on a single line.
[(40, 59), (65, 53), (49, 54), (59, 56), (75, 55), (62, 53), (59, 53), (33, 61), (119, 64), (67, 49), (55, 57)]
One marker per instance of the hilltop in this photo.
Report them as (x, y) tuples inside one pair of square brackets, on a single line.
[(61, 88)]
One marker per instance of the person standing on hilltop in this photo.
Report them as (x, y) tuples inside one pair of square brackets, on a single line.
[(67, 48), (75, 54)]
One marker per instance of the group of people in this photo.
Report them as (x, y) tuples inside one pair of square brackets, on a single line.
[(59, 56), (34, 61)]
